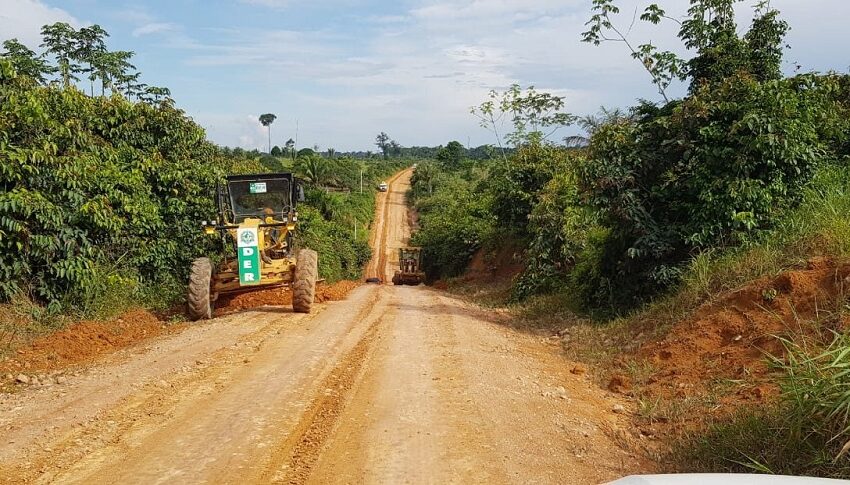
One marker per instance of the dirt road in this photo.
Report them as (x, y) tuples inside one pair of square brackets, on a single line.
[(393, 385)]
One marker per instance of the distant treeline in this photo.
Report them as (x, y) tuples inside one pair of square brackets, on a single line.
[(482, 152)]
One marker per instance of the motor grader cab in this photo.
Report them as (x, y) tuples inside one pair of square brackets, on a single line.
[(257, 217), (410, 267)]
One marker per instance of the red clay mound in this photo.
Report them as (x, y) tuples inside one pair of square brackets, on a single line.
[(84, 341), (281, 296), (727, 341), (500, 265)]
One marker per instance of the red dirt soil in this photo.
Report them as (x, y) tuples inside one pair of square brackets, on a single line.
[(281, 296), (500, 266), (728, 340), (497, 265), (83, 342)]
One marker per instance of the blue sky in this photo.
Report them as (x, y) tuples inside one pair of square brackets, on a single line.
[(348, 69)]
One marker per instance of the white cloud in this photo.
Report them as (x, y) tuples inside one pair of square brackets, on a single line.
[(23, 19), (154, 28), (412, 70), (417, 80), (235, 129)]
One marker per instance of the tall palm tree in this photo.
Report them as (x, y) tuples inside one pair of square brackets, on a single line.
[(316, 171), (267, 120)]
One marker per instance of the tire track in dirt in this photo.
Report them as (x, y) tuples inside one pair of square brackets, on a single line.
[(134, 438), (378, 266), (295, 458), (157, 404)]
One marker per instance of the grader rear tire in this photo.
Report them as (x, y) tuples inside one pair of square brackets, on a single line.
[(304, 284), (198, 299)]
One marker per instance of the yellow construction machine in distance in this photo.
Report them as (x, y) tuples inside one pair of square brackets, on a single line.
[(410, 267)]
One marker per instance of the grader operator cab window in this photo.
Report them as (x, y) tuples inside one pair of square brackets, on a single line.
[(258, 198)]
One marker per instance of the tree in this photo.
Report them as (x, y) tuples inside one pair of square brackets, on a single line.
[(130, 84), (267, 120), (452, 155), (382, 141), (662, 66), (709, 29), (331, 152), (154, 94), (395, 148), (289, 147), (314, 170), (84, 51), (305, 152), (91, 51), (425, 173), (60, 40), (25, 61), (114, 69), (276, 151), (535, 116)]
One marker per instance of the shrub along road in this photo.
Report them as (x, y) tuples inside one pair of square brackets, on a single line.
[(394, 384)]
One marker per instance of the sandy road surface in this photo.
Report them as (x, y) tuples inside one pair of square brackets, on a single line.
[(393, 385)]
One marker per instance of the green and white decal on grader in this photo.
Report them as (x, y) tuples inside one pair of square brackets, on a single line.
[(256, 214)]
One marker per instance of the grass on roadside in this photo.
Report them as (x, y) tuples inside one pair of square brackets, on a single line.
[(807, 432)]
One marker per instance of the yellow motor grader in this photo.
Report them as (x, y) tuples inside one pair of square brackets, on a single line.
[(256, 214), (410, 267)]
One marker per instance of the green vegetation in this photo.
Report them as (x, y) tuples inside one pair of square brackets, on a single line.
[(103, 192), (455, 222), (667, 205), (658, 188), (660, 208), (95, 187)]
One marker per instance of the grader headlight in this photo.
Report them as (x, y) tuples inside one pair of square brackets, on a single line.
[(209, 227)]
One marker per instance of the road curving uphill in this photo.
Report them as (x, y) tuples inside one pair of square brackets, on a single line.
[(394, 384)]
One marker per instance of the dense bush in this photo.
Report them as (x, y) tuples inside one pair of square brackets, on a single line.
[(102, 198), (515, 183), (455, 221), (97, 182), (559, 227), (706, 172), (340, 255)]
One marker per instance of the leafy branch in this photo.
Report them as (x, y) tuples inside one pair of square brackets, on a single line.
[(662, 66), (535, 116)]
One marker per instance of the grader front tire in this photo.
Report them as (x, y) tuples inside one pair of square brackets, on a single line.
[(304, 284), (198, 299)]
